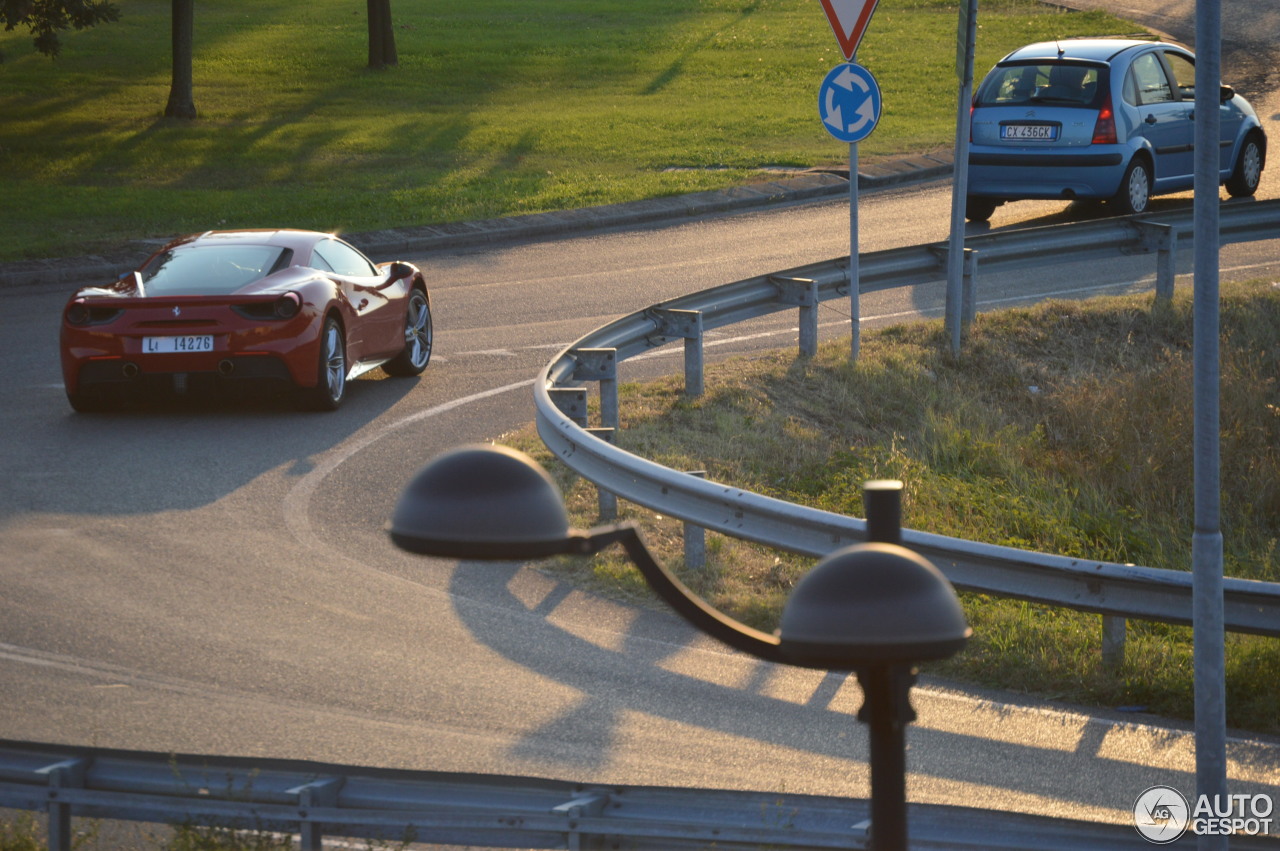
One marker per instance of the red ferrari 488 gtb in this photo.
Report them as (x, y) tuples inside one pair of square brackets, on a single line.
[(229, 307)]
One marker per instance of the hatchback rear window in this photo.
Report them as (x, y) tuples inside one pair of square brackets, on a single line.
[(1049, 83), (210, 269)]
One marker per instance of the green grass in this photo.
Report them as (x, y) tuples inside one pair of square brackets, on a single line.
[(1064, 428), (498, 108)]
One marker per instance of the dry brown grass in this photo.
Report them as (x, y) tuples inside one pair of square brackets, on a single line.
[(1064, 428)]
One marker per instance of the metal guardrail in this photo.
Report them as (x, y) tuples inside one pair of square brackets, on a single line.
[(1117, 590), (313, 800)]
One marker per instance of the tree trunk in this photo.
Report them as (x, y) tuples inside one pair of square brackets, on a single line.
[(181, 97), (382, 34)]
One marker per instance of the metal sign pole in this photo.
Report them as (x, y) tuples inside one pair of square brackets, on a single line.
[(966, 37), (849, 19), (1209, 652), (849, 105), (855, 288)]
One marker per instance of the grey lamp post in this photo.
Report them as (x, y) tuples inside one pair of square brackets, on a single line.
[(875, 608)]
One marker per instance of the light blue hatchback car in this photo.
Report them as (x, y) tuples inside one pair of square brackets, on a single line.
[(1105, 119)]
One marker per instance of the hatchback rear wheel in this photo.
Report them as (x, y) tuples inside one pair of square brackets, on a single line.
[(1135, 188), (978, 209), (1247, 174)]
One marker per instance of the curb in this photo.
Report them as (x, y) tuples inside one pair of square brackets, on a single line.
[(398, 241)]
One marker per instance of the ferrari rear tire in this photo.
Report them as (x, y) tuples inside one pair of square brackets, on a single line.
[(415, 356), (331, 370)]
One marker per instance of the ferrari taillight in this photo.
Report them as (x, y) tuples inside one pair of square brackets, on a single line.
[(78, 313), (1104, 131), (81, 313), (284, 307), (287, 306)]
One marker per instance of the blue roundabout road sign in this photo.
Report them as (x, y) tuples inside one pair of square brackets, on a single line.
[(849, 102)]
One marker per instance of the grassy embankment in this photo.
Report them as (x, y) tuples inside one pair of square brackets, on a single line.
[(1063, 428), (495, 109)]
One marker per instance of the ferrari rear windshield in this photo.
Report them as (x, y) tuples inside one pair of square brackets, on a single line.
[(210, 269)]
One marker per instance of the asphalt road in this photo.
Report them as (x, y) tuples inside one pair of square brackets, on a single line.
[(216, 579)]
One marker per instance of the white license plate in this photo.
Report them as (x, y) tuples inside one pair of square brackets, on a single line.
[(1042, 132), (171, 345)]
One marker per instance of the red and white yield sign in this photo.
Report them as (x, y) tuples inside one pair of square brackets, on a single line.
[(849, 19)]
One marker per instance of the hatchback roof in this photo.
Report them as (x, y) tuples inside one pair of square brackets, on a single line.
[(1092, 49)]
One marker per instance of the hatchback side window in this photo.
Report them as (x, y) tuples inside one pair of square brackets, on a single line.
[(1150, 80), (1184, 73), (344, 259)]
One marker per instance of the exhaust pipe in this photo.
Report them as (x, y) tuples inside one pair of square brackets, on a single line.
[(129, 370), (226, 366)]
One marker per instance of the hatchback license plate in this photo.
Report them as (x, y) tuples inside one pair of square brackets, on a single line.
[(1038, 132), (171, 345)]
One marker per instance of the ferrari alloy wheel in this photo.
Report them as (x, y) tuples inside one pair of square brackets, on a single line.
[(331, 384), (417, 338)]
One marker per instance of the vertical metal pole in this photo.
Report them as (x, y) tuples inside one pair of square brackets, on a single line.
[(693, 361), (969, 299), (1166, 263), (855, 287), (882, 502), (808, 322), (695, 538), (886, 710), (1206, 544), (606, 501), (1114, 629), (967, 36), (609, 402)]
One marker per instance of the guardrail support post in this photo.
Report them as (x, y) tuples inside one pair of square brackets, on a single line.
[(1114, 628), (673, 322), (606, 500), (601, 365), (968, 285), (572, 402), (803, 293), (1162, 239), (1167, 265), (68, 774), (589, 805), (319, 793), (695, 538)]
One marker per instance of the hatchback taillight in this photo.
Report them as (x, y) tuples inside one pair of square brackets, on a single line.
[(1104, 131)]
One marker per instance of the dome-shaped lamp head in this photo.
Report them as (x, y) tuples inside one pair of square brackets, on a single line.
[(482, 502), (871, 604)]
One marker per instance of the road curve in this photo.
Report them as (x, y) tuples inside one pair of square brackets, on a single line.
[(217, 578)]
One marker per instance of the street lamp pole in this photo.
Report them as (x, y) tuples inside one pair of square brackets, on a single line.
[(876, 608)]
